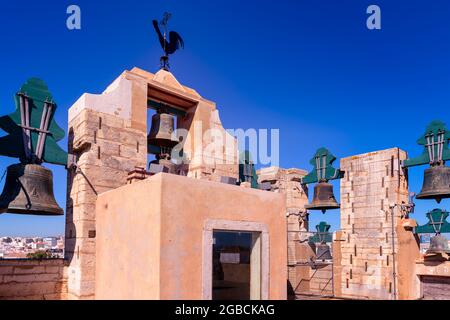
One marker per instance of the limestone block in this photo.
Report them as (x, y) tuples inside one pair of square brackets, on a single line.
[(81, 246), (26, 278), (6, 270), (28, 269)]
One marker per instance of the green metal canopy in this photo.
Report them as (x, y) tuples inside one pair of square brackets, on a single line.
[(437, 222), (323, 169), (435, 141), (12, 145), (247, 171), (322, 235)]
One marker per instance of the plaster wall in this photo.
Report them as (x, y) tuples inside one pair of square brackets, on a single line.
[(408, 253), (162, 222)]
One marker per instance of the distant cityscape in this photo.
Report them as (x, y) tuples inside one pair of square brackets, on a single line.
[(53, 247), (31, 247)]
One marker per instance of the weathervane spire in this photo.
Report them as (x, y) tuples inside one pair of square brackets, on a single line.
[(169, 47)]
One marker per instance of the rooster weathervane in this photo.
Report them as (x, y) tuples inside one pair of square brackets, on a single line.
[(175, 41)]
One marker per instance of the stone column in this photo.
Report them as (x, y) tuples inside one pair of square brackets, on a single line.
[(373, 183), (287, 181), (107, 134)]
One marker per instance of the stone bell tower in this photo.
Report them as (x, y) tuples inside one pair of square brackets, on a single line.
[(108, 138)]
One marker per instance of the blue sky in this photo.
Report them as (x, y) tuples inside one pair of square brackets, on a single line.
[(309, 68)]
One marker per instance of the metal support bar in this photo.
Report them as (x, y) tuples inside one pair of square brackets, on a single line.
[(435, 142), (435, 149), (35, 129), (394, 271), (27, 123), (27, 129), (45, 122), (155, 105), (24, 119)]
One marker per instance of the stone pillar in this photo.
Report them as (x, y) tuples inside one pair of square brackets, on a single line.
[(107, 134), (373, 182), (287, 181), (408, 254)]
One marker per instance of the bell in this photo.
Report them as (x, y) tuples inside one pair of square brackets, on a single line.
[(323, 252), (160, 135), (164, 165), (323, 198), (29, 190), (438, 244), (436, 184)]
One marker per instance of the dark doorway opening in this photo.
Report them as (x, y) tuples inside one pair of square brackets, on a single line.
[(231, 265)]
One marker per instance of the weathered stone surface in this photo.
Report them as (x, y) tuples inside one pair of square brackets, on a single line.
[(373, 182), (32, 280), (286, 181), (114, 150)]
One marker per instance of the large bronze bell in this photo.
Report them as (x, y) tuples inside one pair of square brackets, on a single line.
[(323, 198), (438, 244), (29, 190), (436, 183), (323, 252), (160, 135)]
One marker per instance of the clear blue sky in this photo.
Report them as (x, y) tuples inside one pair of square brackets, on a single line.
[(310, 68)]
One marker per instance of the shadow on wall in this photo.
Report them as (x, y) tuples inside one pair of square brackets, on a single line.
[(70, 233), (290, 291)]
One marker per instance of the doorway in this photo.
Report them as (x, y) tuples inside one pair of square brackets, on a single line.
[(235, 260), (236, 265)]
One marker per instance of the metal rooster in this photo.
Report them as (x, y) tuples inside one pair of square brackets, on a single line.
[(175, 41)]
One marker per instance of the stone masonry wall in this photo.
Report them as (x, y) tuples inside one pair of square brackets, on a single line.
[(321, 280), (364, 258), (286, 181), (32, 280), (107, 149)]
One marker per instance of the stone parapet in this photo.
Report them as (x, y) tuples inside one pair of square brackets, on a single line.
[(33, 280)]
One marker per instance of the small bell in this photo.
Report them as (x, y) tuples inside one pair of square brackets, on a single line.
[(160, 135), (438, 244), (29, 190), (323, 198), (323, 252), (436, 183)]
